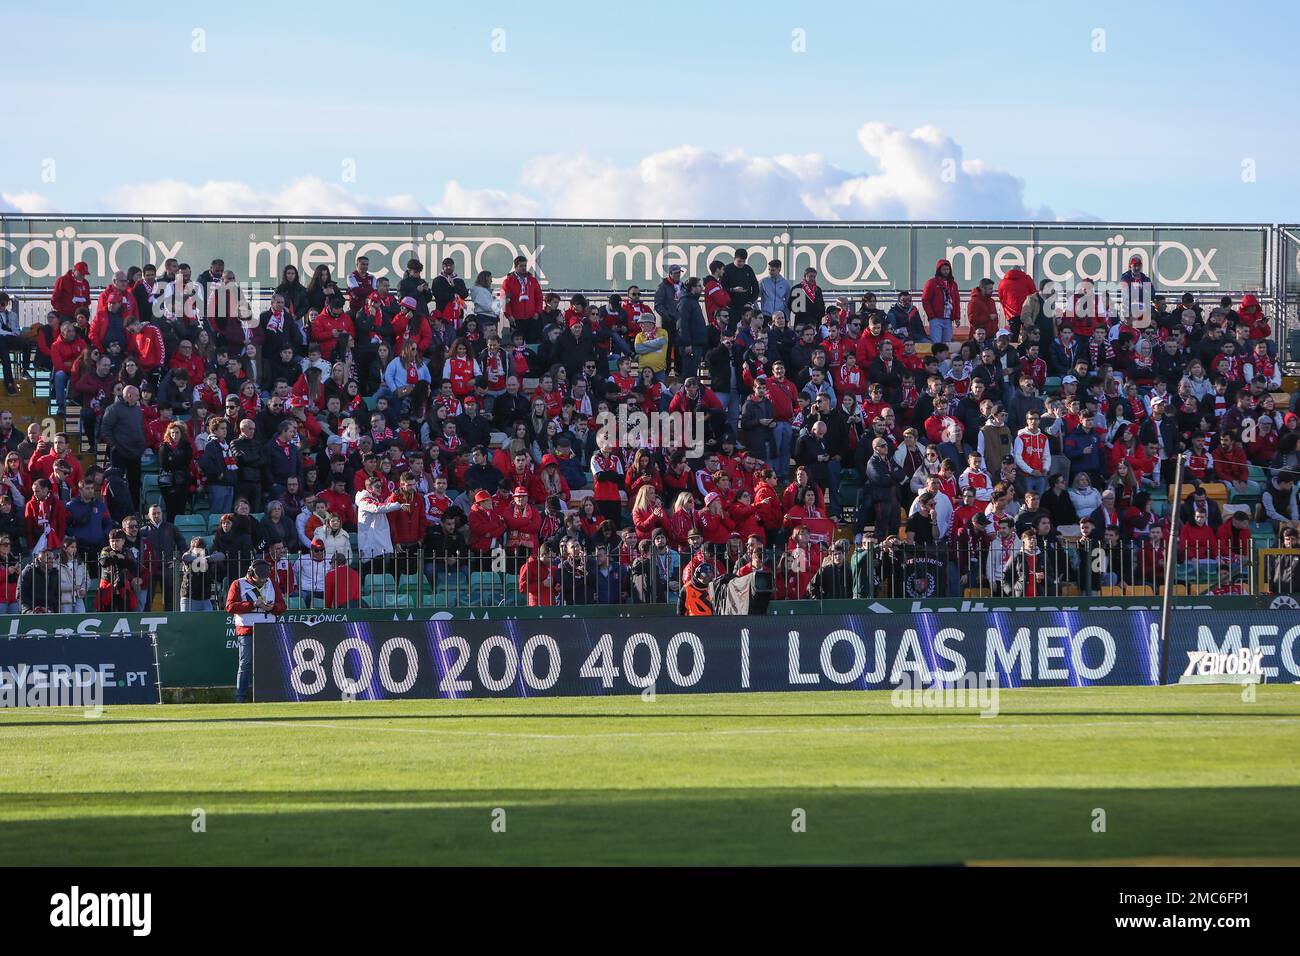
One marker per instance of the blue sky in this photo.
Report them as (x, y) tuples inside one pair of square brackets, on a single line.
[(1155, 127)]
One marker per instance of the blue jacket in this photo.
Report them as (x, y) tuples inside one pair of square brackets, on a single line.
[(1074, 447), (773, 293), (89, 523), (609, 588), (573, 471), (280, 466)]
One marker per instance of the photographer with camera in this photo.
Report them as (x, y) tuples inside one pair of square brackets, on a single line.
[(200, 571), (253, 599), (119, 575)]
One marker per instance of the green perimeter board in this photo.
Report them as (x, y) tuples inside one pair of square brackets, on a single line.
[(202, 653)]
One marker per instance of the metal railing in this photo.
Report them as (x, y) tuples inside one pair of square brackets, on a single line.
[(869, 570), (501, 577)]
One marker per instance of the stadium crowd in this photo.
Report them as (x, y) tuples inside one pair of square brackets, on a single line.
[(1011, 436)]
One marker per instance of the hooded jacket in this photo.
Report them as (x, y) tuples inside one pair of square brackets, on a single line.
[(1016, 286), (932, 296)]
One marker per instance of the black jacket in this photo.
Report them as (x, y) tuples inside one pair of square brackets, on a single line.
[(443, 290), (250, 457), (38, 587), (734, 276), (507, 409)]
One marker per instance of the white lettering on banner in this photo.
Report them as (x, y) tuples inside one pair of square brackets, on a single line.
[(389, 254), (1209, 664), (38, 256), (1171, 264), (61, 685), (1233, 641), (839, 262), (86, 626)]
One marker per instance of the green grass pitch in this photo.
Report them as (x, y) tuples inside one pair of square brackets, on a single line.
[(1180, 774)]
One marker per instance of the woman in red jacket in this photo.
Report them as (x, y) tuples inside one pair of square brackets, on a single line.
[(744, 516), (642, 472), (794, 492), (460, 369), (682, 520), (411, 325), (647, 512), (10, 570), (588, 519), (809, 514), (713, 522)]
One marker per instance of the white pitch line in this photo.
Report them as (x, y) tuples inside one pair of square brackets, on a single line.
[(977, 724)]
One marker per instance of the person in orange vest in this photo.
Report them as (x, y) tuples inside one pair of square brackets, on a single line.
[(253, 599), (696, 596)]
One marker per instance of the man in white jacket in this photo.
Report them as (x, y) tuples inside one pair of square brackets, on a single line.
[(374, 540), (310, 571)]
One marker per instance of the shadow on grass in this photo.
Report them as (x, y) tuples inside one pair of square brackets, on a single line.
[(688, 826), (358, 714)]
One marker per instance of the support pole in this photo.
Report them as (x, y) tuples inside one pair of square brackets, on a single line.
[(1171, 559)]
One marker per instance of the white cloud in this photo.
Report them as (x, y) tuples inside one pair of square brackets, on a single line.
[(30, 203), (306, 196), (922, 174), (484, 203)]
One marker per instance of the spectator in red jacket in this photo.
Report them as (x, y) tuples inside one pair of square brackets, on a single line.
[(521, 294), (42, 461), (523, 522), (146, 344), (485, 525), (185, 357), (406, 526), (116, 291), (1198, 545), (71, 291), (941, 301), (46, 518), (342, 585), (538, 578), (982, 309), (1016, 286), (331, 327), (64, 352)]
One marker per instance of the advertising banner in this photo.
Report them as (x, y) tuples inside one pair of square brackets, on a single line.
[(609, 256), (87, 672), (461, 659), (454, 659)]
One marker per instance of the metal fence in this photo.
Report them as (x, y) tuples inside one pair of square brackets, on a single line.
[(587, 575)]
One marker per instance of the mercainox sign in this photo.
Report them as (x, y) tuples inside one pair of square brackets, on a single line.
[(1170, 263), (611, 256)]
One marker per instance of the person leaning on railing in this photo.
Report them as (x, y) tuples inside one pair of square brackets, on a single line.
[(1284, 577), (39, 586)]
